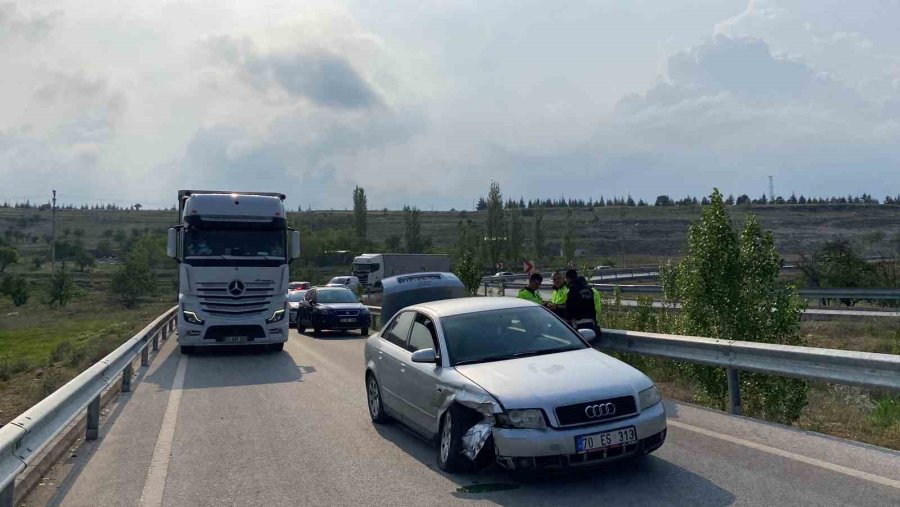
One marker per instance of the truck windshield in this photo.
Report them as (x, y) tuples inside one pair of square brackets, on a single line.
[(365, 268), (234, 243)]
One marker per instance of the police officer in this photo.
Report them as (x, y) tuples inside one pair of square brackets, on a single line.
[(558, 298), (531, 293), (582, 302)]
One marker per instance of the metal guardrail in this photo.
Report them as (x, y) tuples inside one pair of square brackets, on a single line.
[(22, 439)]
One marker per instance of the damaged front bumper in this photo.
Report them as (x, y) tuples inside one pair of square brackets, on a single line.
[(555, 448)]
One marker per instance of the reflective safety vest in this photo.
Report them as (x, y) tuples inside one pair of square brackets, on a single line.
[(597, 304), (559, 295), (534, 297)]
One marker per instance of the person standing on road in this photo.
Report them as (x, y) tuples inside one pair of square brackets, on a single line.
[(582, 302), (557, 302), (531, 293)]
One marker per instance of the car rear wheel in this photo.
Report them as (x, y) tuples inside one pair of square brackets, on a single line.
[(276, 347), (454, 424), (364, 331), (317, 331), (187, 349), (373, 396)]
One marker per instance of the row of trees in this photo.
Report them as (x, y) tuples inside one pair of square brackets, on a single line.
[(70, 207), (665, 200)]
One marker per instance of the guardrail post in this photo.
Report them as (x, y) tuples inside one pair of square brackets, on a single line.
[(145, 356), (734, 391), (8, 494), (93, 420), (156, 340), (127, 373)]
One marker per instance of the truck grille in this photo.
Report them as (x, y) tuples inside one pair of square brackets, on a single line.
[(216, 300), (571, 415)]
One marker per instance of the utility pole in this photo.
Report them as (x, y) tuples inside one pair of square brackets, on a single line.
[(53, 234), (771, 191)]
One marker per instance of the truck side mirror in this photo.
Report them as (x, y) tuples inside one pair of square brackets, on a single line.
[(172, 243), (295, 245)]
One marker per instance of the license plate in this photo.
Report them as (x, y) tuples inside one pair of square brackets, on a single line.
[(601, 441), (348, 320), (234, 339)]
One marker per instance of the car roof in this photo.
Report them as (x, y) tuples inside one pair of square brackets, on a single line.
[(333, 288), (458, 306)]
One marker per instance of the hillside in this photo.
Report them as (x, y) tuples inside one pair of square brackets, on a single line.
[(646, 234)]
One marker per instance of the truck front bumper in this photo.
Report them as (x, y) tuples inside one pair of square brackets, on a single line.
[(216, 333)]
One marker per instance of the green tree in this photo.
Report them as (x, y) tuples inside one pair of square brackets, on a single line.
[(728, 288), (359, 214), (8, 257), (84, 260), (568, 239), (516, 236), (104, 249), (495, 225), (62, 289), (393, 243), (415, 243), (540, 247), (16, 287), (134, 279), (468, 272)]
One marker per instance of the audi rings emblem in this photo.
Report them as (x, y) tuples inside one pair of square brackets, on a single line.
[(601, 410), (236, 288)]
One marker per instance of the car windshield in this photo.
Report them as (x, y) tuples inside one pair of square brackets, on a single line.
[(506, 334), (296, 296), (339, 280), (234, 243), (336, 296)]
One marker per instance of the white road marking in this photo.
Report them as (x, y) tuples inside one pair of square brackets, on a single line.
[(155, 484), (790, 455)]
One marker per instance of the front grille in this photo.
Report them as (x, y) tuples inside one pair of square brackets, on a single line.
[(571, 415), (348, 313), (218, 333), (216, 300)]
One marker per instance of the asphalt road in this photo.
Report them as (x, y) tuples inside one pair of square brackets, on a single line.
[(256, 428)]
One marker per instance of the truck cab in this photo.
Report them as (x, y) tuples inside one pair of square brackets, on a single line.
[(233, 251)]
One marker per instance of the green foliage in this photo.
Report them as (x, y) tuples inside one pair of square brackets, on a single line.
[(16, 287), (104, 249), (415, 243), (468, 272), (359, 213), (540, 246), (516, 236), (495, 225), (887, 411), (62, 289), (8, 256), (134, 279), (728, 288), (839, 263), (568, 239), (469, 239), (393, 243)]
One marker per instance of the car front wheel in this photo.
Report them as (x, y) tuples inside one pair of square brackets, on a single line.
[(453, 425), (364, 331)]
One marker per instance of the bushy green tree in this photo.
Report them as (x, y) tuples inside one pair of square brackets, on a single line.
[(134, 279), (495, 225), (8, 257), (62, 289), (359, 214), (728, 288), (415, 243), (16, 287), (469, 272)]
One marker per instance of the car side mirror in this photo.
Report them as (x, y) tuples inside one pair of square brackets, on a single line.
[(588, 334), (424, 356)]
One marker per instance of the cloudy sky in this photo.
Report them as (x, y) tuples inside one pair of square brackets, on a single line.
[(425, 102)]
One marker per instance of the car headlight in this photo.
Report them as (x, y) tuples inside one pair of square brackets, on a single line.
[(325, 311), (364, 311), (531, 418), (277, 316), (648, 397), (192, 318)]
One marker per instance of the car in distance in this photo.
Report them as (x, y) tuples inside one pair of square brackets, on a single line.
[(350, 282), (292, 286), (515, 374), (505, 273), (332, 308), (294, 299)]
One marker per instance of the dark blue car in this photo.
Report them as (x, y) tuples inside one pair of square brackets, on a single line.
[(332, 308)]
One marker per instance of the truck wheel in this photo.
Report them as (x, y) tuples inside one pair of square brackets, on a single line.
[(364, 331), (187, 349), (455, 423)]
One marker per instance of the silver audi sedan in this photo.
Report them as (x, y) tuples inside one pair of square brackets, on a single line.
[(504, 379)]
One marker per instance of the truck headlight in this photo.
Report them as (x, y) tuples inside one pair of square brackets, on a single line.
[(276, 317), (532, 418), (192, 318), (648, 397)]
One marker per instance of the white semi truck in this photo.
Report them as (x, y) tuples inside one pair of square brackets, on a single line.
[(233, 251), (372, 268)]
